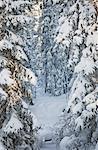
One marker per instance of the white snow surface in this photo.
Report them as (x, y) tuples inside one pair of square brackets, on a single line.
[(29, 76), (96, 148), (2, 92), (13, 125), (2, 147), (49, 146), (47, 110), (5, 77)]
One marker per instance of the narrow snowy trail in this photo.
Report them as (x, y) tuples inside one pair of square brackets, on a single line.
[(47, 110), (48, 146)]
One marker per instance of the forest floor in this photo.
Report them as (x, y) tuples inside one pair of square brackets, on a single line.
[(47, 110), (48, 146)]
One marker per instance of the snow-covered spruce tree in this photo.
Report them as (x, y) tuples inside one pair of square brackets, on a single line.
[(32, 37), (82, 113), (16, 121), (53, 53), (61, 48), (33, 40)]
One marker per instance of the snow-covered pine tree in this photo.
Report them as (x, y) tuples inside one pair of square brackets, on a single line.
[(81, 122), (16, 121), (54, 53), (61, 43), (32, 37)]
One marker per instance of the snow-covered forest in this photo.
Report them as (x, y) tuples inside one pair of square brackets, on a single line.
[(48, 74)]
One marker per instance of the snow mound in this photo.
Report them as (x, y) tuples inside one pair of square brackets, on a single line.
[(5, 77), (96, 148), (65, 142), (47, 110), (2, 147), (13, 125), (2, 92)]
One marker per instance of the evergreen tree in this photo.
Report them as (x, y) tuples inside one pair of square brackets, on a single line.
[(16, 121), (61, 19), (81, 122), (53, 52)]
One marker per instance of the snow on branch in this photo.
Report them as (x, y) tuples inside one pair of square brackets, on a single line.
[(16, 39), (20, 54), (27, 75), (5, 77), (2, 92), (3, 61), (13, 125), (16, 50)]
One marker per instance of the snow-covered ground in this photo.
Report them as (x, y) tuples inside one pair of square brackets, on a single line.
[(49, 146), (47, 110)]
